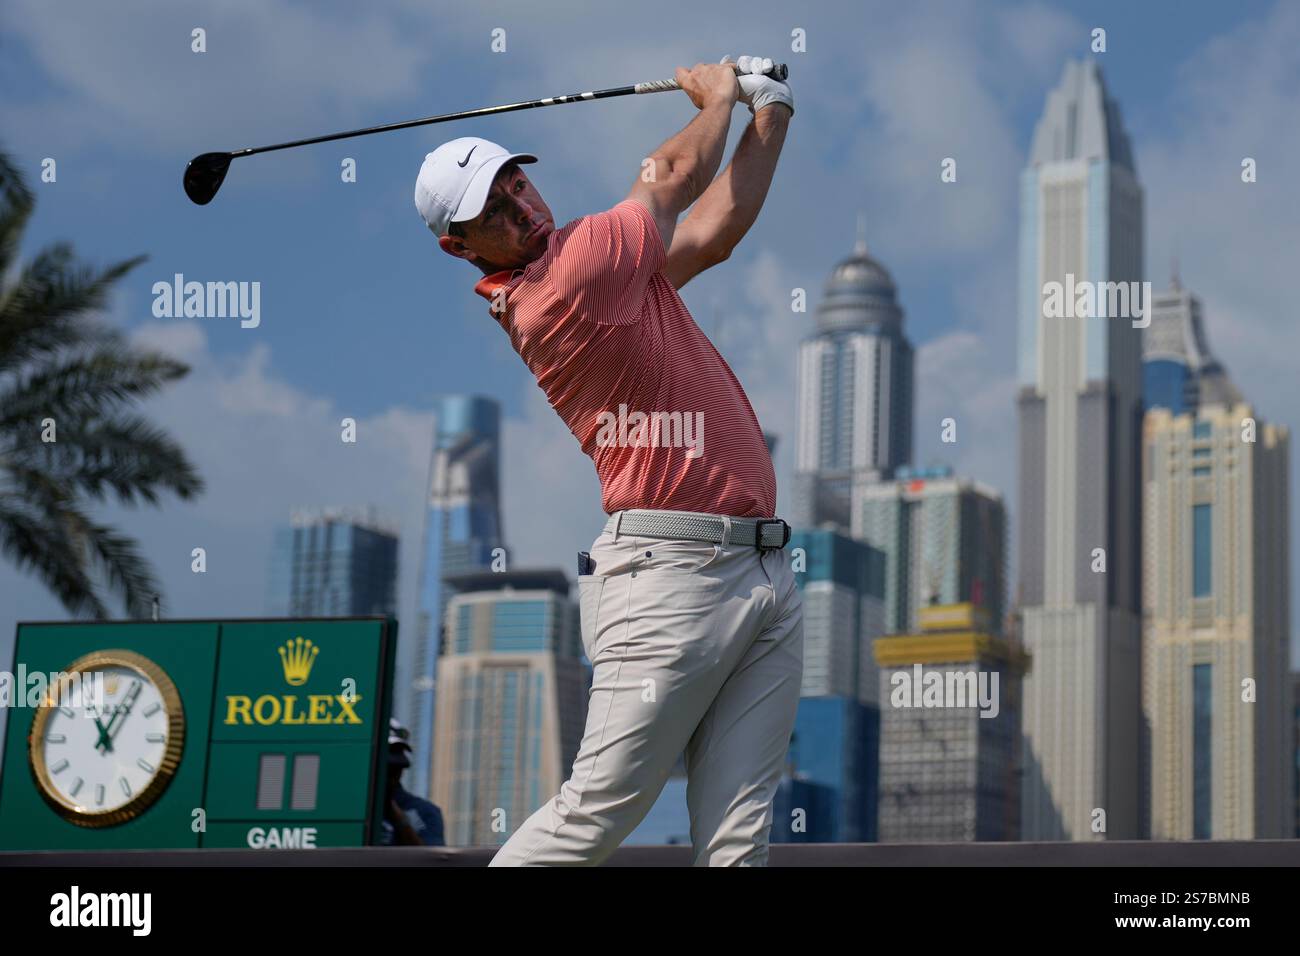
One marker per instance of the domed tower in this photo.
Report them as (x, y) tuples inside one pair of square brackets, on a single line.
[(854, 392)]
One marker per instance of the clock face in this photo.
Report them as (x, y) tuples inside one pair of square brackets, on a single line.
[(102, 765)]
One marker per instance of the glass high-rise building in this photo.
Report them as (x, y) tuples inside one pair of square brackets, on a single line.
[(943, 540), (833, 759), (332, 562), (1178, 371), (512, 701), (842, 581), (833, 750), (462, 532), (855, 392), (1080, 408), (949, 765)]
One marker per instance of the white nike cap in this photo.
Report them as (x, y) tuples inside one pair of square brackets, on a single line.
[(456, 177)]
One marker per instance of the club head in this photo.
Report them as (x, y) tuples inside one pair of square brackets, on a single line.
[(204, 176)]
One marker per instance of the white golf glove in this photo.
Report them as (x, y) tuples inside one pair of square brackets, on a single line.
[(757, 90)]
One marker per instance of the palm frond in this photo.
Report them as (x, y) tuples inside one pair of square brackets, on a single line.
[(16, 204), (42, 544), (45, 309), (84, 386), (125, 455), (117, 556)]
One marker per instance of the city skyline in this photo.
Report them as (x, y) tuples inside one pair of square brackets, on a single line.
[(264, 369)]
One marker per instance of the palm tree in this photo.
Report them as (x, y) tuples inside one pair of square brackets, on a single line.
[(66, 376)]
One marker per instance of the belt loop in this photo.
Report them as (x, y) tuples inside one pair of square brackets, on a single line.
[(726, 531), (618, 520)]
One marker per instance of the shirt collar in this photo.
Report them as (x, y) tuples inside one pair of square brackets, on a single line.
[(489, 284)]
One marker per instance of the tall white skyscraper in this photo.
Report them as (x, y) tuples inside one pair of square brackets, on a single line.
[(854, 392), (1216, 696), (1080, 406)]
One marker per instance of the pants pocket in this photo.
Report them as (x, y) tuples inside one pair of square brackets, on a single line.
[(590, 587), (659, 555)]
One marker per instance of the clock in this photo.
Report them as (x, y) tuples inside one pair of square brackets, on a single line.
[(99, 766)]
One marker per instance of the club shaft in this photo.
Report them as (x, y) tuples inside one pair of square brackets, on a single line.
[(655, 86)]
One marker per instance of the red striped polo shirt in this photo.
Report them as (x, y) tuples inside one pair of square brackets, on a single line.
[(648, 397)]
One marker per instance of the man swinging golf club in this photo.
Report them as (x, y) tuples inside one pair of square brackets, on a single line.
[(690, 613)]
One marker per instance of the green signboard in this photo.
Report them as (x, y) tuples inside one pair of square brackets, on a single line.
[(249, 733)]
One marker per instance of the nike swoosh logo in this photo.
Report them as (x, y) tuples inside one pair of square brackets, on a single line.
[(467, 156)]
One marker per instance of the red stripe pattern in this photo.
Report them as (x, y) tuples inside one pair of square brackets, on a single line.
[(606, 336)]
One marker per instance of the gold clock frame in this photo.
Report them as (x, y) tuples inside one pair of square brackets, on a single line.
[(75, 813)]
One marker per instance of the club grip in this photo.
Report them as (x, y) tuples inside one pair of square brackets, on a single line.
[(779, 72)]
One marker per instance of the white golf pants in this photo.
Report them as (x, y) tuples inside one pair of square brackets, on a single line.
[(696, 649)]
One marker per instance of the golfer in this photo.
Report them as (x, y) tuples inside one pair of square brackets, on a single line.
[(689, 611)]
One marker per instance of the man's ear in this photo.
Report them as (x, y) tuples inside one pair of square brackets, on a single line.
[(455, 246)]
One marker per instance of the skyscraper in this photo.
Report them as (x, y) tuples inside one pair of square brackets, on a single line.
[(842, 581), (1178, 371), (333, 562), (943, 540), (462, 531), (1080, 406), (833, 749), (1216, 693), (948, 768), (512, 701), (854, 392)]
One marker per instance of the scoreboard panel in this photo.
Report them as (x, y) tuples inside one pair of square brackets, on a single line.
[(243, 733)]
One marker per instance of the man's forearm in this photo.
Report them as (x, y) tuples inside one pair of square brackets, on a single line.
[(731, 203), (696, 152)]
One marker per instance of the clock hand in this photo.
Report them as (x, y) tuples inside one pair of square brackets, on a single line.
[(103, 737), (123, 709)]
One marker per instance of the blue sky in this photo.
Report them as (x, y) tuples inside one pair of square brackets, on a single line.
[(363, 316)]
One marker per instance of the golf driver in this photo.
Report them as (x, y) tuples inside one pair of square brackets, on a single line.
[(204, 174)]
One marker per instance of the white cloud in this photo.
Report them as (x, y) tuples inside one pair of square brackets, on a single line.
[(1236, 242), (124, 73), (262, 447), (551, 496), (954, 381)]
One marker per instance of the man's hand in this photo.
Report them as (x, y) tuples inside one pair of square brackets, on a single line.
[(757, 90), (707, 83)]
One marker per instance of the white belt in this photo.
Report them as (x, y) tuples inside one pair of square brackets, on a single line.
[(767, 534)]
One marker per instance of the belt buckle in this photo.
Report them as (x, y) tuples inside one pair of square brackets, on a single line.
[(758, 534)]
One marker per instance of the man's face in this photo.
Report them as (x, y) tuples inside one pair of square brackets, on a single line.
[(512, 229)]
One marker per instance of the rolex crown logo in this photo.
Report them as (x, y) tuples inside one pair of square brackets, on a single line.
[(110, 684), (296, 657)]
